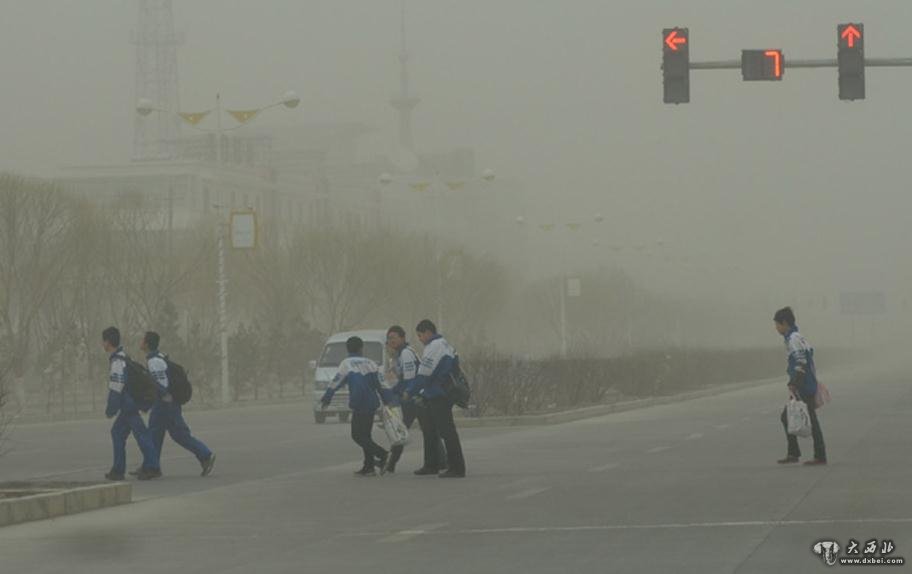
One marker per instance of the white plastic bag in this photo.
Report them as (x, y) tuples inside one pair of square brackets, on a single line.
[(396, 431), (799, 420)]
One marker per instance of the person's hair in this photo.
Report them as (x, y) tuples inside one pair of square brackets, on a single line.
[(785, 315), (354, 345), (396, 329), (152, 340), (111, 335), (426, 326)]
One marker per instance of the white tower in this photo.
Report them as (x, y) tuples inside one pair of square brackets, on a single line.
[(155, 135), (404, 103)]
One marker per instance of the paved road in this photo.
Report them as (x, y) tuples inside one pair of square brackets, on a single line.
[(687, 487)]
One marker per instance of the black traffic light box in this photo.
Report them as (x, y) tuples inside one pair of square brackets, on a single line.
[(676, 65), (762, 65), (851, 58)]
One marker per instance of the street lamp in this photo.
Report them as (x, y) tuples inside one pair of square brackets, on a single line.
[(144, 107), (571, 227), (290, 99), (438, 186)]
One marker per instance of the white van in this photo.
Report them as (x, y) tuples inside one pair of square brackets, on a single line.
[(326, 367)]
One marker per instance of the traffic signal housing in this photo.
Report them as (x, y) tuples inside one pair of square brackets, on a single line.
[(676, 65), (851, 59)]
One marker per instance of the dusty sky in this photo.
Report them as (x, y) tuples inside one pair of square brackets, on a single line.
[(780, 188)]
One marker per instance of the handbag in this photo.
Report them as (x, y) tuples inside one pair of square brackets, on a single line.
[(823, 395)]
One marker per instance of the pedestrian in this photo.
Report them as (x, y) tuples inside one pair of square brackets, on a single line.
[(361, 375), (123, 405), (405, 363), (802, 385), (167, 414), (438, 361)]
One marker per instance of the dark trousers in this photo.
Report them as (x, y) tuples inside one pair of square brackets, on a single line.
[(441, 424), (819, 447), (434, 457), (127, 423), (168, 417), (361, 426)]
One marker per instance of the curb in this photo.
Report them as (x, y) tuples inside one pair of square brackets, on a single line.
[(601, 410), (52, 500)]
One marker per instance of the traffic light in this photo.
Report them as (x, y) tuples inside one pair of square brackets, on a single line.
[(850, 39), (676, 65), (762, 65)]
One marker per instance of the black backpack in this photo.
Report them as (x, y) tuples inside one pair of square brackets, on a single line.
[(179, 386), (456, 386), (140, 384)]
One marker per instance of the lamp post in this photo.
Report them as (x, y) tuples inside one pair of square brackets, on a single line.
[(437, 187), (564, 278), (145, 107)]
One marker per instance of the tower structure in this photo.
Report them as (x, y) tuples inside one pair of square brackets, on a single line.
[(155, 136), (404, 103)]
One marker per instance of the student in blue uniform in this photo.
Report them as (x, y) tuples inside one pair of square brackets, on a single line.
[(438, 360), (167, 415), (405, 363), (124, 406), (802, 385), (364, 392)]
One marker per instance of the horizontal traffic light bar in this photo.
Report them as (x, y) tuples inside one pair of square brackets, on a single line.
[(770, 64), (825, 63)]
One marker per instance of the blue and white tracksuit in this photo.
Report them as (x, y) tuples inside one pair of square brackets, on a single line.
[(803, 374), (405, 366), (122, 405), (438, 360), (167, 415), (801, 363), (363, 379)]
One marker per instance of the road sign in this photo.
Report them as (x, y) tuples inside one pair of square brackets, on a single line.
[(243, 230), (863, 303), (851, 61), (762, 65), (676, 65), (573, 287)]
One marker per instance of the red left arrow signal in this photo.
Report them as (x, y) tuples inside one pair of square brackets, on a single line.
[(850, 34), (672, 40)]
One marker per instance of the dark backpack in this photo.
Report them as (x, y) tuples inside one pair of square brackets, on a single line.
[(140, 384), (456, 386), (179, 386)]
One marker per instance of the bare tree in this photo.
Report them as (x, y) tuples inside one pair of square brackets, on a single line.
[(35, 221), (141, 268), (345, 275)]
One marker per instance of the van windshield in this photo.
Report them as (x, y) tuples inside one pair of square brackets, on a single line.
[(334, 353)]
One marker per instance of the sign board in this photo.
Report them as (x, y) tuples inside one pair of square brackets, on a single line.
[(863, 303), (573, 287), (243, 230)]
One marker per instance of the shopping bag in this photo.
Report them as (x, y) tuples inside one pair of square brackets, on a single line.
[(798, 418), (396, 431)]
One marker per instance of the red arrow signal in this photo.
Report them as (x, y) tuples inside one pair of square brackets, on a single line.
[(850, 34), (672, 40)]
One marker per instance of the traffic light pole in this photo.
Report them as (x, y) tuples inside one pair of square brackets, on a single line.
[(826, 63)]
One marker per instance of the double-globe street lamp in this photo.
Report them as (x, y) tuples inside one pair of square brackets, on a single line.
[(145, 107), (438, 186)]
